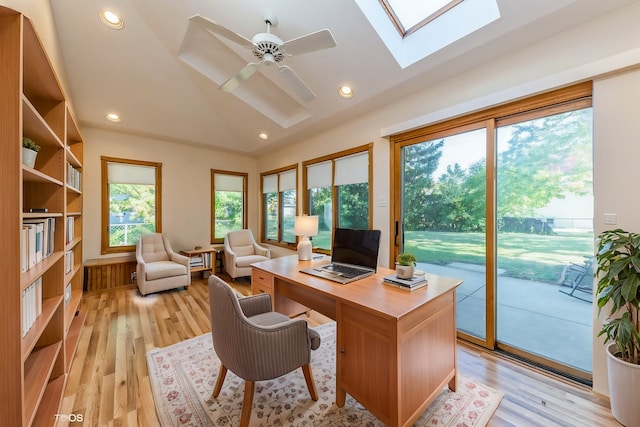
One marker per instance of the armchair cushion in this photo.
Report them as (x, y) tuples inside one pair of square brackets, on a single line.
[(244, 250), (246, 261), (161, 269)]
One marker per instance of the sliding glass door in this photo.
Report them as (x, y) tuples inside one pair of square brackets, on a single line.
[(503, 200), (443, 216), (545, 237)]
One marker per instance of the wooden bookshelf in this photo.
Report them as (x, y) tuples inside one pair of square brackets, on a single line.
[(35, 363)]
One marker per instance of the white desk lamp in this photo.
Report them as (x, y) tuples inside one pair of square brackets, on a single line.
[(305, 226)]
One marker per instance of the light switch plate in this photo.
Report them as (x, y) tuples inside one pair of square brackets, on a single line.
[(610, 219)]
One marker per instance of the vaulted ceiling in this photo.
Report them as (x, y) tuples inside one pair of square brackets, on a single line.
[(164, 85)]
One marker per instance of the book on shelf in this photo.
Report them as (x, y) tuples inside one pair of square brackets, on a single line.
[(31, 305), (70, 230), (74, 177), (416, 282), (24, 250), (37, 241), (67, 294), (68, 261)]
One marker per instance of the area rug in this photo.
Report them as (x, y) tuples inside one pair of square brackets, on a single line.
[(183, 376)]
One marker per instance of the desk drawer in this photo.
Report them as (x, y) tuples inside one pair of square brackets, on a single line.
[(261, 282)]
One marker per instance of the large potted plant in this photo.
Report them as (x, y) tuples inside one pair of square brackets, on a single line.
[(618, 273)]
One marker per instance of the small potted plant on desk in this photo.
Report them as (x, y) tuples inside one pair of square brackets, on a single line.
[(29, 152), (618, 261), (405, 265)]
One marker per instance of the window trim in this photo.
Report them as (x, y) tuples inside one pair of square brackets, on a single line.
[(105, 248), (245, 204), (263, 231), (368, 148)]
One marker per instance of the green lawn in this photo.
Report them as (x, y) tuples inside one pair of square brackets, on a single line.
[(526, 256)]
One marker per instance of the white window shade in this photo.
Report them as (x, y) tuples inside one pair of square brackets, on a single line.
[(288, 180), (222, 182), (352, 169), (270, 184), (319, 175), (123, 173)]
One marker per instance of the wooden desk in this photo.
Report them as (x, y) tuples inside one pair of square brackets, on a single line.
[(395, 348)]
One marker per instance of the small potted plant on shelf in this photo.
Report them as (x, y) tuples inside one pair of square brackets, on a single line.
[(405, 265), (29, 152), (618, 272)]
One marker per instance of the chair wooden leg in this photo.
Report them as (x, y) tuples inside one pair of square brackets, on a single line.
[(221, 375), (311, 384), (247, 403)]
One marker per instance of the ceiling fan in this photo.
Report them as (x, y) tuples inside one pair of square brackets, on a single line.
[(270, 50)]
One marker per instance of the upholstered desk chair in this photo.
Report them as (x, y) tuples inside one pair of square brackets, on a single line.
[(240, 251), (256, 343), (159, 267)]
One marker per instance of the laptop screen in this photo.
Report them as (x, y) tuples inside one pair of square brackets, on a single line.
[(357, 247)]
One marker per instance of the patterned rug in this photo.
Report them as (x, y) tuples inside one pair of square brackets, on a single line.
[(183, 376)]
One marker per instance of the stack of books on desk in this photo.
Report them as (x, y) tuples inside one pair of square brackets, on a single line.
[(416, 282)]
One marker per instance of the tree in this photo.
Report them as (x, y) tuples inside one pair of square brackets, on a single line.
[(545, 159), (138, 201), (353, 200), (420, 162), (462, 198)]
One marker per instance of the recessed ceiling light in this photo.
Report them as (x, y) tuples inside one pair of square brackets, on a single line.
[(263, 135), (345, 92), (113, 117), (111, 19)]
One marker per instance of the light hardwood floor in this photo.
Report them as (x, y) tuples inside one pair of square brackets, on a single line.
[(109, 383)]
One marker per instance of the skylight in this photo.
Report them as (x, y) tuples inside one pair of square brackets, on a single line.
[(409, 15), (428, 26)]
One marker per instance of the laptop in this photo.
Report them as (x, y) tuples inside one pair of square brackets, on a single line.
[(354, 255)]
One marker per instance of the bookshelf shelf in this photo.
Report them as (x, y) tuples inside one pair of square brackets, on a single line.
[(40, 329), (38, 369), (34, 175)]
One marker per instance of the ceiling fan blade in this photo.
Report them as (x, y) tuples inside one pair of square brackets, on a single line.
[(301, 89), (218, 29), (243, 75), (322, 39)]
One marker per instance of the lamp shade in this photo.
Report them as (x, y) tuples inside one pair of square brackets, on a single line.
[(306, 225)]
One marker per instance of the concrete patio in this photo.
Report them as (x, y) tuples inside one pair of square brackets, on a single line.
[(532, 316)]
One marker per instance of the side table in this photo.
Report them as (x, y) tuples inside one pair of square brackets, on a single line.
[(205, 260)]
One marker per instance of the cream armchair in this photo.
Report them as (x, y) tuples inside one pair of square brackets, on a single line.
[(240, 251), (159, 267)]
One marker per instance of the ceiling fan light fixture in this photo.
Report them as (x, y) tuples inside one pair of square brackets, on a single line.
[(113, 117), (345, 92), (111, 19)]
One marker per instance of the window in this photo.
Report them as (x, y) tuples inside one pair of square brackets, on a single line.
[(279, 205), (338, 191), (414, 29), (229, 207), (410, 15), (131, 195)]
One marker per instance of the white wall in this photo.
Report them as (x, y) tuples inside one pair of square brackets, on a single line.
[(186, 185), (616, 158)]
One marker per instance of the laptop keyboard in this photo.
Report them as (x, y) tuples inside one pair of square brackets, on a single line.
[(347, 271)]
